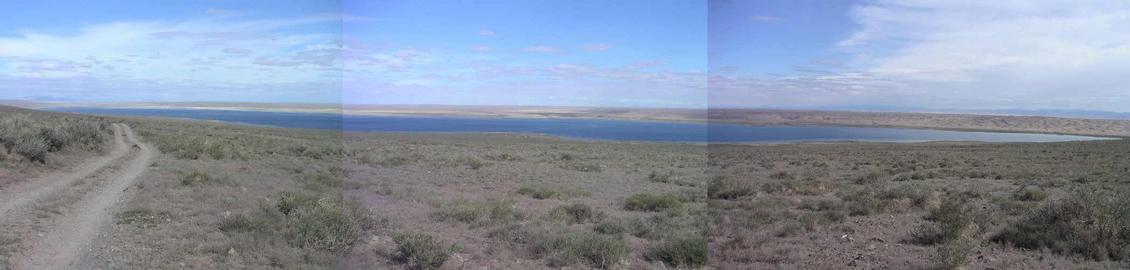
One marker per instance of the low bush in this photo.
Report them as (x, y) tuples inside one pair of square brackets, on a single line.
[(1031, 194), (576, 213), (561, 247), (610, 227), (870, 178), (652, 202), (952, 220), (421, 251), (952, 255), (727, 189), (33, 137), (584, 248), (661, 177), (478, 213), (195, 178), (244, 223), (684, 251), (321, 222), (540, 193), (1093, 224)]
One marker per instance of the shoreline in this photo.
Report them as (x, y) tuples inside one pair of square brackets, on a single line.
[(686, 142)]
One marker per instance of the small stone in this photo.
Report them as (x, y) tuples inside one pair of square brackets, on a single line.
[(231, 252)]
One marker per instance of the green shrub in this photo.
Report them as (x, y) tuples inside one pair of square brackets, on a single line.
[(652, 202), (727, 189), (540, 193), (195, 178), (34, 136), (873, 177), (576, 213), (470, 162), (661, 177), (683, 251), (585, 248), (952, 255), (290, 201), (479, 213), (325, 223), (561, 247), (321, 180), (31, 147), (782, 175), (862, 203), (610, 227), (949, 222), (1095, 224), (1031, 194), (421, 251)]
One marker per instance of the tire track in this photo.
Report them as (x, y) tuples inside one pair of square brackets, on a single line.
[(61, 247), (37, 188)]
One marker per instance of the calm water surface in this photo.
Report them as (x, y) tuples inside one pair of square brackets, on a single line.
[(593, 129)]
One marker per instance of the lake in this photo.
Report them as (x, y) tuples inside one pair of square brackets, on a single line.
[(589, 129)]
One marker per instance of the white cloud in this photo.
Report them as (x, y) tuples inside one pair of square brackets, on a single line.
[(542, 49), (596, 47), (486, 33), (974, 54), (205, 51)]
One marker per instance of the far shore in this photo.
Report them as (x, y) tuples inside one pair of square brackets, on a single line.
[(757, 117)]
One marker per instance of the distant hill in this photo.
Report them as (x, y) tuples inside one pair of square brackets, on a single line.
[(962, 121)]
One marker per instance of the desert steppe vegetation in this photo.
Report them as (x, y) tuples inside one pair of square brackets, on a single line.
[(508, 201), (920, 206), (33, 142), (229, 196)]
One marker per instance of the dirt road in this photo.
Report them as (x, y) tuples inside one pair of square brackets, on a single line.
[(32, 190), (62, 241)]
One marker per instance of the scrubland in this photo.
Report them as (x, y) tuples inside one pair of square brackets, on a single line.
[(920, 206), (226, 196), (505, 201), (33, 142)]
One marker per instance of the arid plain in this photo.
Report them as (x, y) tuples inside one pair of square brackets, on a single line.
[(206, 195)]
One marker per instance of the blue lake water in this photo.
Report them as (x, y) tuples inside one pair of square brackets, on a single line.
[(592, 129)]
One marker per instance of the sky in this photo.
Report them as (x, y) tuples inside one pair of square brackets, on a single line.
[(793, 54), (920, 54), (630, 53), (249, 51)]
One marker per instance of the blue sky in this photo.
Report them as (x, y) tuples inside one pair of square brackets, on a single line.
[(557, 52), (920, 54), (171, 51), (860, 54)]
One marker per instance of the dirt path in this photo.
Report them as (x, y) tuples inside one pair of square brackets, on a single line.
[(34, 189), (60, 247)]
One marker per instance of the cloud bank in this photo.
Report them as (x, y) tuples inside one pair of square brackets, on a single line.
[(221, 56), (960, 54)]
